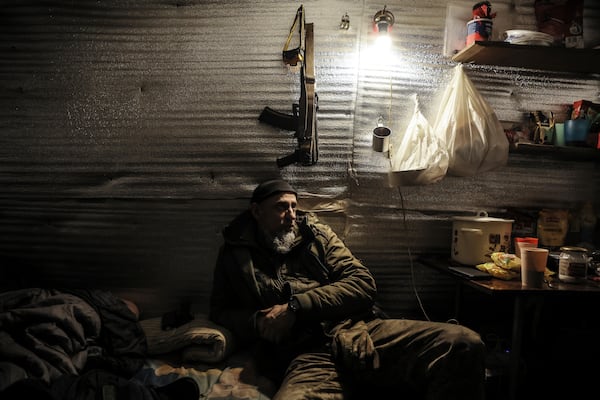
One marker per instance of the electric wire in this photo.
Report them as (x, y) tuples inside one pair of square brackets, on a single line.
[(410, 259)]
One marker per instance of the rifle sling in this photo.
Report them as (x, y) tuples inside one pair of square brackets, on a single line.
[(293, 56)]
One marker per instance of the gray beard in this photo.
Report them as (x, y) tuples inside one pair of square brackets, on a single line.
[(283, 242)]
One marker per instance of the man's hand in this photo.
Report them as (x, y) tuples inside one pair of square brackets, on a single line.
[(275, 323), (355, 348)]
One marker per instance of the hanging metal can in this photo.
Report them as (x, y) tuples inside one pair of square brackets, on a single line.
[(573, 264)]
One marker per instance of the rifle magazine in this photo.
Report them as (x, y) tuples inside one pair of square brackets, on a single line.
[(278, 119), (289, 159)]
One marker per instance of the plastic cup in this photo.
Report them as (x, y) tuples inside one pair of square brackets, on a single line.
[(576, 131), (522, 242), (533, 266)]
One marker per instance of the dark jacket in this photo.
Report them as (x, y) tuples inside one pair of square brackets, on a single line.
[(334, 285)]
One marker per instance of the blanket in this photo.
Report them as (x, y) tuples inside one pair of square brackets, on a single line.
[(49, 333), (230, 383)]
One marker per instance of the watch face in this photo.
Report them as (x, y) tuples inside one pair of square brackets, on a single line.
[(294, 305)]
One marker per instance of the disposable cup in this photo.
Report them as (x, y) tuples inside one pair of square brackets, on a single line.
[(522, 242), (533, 266)]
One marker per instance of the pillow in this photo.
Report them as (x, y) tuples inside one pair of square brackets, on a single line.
[(199, 340)]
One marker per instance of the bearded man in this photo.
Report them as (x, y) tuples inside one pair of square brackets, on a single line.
[(291, 291)]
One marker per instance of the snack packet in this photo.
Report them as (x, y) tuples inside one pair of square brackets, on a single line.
[(497, 272), (507, 261)]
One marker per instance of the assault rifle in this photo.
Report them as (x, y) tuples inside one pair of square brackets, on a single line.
[(303, 119)]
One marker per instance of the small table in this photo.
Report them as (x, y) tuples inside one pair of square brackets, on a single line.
[(513, 288)]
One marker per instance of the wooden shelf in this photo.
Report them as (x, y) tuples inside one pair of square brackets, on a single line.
[(567, 153), (532, 57)]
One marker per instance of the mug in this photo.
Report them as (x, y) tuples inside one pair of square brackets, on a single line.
[(381, 139)]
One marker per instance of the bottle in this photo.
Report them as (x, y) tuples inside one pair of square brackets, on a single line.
[(573, 264)]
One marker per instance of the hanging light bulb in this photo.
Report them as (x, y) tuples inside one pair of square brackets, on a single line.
[(383, 21), (382, 24)]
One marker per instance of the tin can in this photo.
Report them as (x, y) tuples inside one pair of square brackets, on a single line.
[(479, 29), (573, 264)]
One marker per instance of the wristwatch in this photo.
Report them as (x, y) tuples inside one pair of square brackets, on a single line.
[(294, 304)]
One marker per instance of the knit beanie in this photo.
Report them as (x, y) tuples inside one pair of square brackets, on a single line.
[(269, 188)]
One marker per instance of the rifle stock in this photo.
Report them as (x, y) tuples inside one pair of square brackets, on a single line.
[(304, 114)]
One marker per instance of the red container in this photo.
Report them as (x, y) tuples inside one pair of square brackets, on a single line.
[(479, 29)]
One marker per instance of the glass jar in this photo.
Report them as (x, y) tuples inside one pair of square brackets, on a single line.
[(573, 264)]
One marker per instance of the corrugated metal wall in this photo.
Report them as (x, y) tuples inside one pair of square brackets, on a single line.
[(130, 137)]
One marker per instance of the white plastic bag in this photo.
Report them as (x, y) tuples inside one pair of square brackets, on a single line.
[(474, 137), (419, 158)]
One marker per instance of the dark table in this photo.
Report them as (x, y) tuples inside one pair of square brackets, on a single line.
[(512, 288)]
